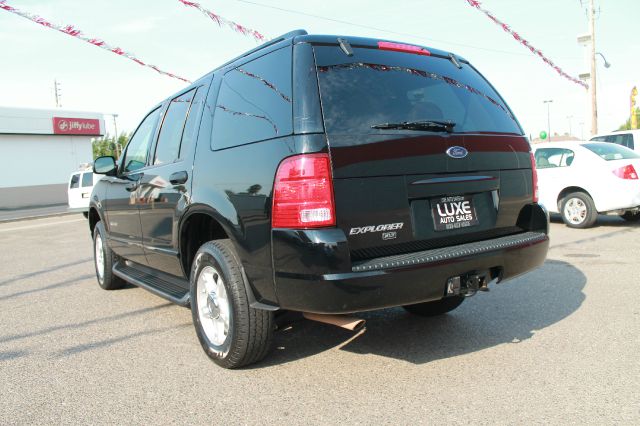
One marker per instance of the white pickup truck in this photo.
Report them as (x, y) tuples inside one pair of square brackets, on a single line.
[(79, 191)]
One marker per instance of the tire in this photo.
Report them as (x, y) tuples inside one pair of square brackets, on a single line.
[(578, 210), (104, 273), (438, 307), (631, 217), (238, 335)]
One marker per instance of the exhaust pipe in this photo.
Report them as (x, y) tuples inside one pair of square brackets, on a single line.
[(342, 321)]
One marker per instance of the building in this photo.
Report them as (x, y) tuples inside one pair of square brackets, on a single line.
[(39, 149)]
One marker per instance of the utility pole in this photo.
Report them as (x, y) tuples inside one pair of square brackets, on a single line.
[(549, 117), (56, 91), (115, 127), (592, 31)]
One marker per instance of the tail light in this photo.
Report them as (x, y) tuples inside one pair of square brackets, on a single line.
[(399, 47), (535, 177), (626, 172), (303, 193)]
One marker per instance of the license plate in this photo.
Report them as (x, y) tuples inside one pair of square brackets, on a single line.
[(453, 212)]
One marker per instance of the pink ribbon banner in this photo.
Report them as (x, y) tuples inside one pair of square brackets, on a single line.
[(75, 32), (223, 21), (525, 43)]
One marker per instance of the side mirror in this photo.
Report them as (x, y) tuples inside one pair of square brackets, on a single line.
[(104, 165)]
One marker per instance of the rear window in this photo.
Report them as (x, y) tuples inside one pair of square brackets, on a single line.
[(374, 86), (611, 151), (553, 157)]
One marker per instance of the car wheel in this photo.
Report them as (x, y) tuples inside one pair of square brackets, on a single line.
[(578, 210), (438, 307), (631, 216), (232, 333), (103, 260)]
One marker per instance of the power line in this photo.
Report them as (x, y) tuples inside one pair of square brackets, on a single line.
[(368, 27)]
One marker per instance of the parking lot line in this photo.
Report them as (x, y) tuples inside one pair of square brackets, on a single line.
[(39, 225)]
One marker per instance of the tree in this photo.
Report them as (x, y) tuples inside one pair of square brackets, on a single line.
[(627, 124), (106, 145)]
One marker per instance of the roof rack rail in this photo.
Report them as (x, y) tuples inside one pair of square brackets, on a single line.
[(274, 40)]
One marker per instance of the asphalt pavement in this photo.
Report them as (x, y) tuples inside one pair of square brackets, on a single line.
[(558, 345)]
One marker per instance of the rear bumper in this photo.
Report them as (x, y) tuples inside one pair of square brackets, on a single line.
[(406, 279)]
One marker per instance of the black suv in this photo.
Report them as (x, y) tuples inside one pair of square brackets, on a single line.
[(324, 175)]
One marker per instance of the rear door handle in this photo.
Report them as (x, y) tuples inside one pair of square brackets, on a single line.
[(178, 178), (134, 184)]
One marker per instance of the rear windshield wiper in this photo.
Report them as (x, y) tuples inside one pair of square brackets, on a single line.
[(426, 125)]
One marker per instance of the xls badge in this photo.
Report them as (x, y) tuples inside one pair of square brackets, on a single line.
[(388, 230)]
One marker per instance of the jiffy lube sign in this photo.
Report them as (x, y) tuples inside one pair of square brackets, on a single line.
[(76, 126)]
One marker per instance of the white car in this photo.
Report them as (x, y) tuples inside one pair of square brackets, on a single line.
[(581, 179), (628, 138), (79, 191)]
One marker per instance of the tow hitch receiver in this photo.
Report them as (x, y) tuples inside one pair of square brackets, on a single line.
[(467, 285)]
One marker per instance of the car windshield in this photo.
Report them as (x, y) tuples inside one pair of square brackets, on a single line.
[(376, 90), (609, 151)]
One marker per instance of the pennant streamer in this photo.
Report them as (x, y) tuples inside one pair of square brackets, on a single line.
[(222, 21), (525, 43), (74, 32)]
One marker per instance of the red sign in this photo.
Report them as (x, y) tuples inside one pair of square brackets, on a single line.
[(76, 126)]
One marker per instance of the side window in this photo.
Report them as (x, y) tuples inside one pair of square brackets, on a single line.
[(87, 179), (254, 102), (627, 140), (136, 156), (637, 139), (169, 140), (554, 157), (617, 139), (599, 139), (191, 126), (75, 181)]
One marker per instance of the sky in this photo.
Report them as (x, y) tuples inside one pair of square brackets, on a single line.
[(181, 40)]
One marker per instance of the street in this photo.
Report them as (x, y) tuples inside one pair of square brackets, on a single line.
[(559, 345)]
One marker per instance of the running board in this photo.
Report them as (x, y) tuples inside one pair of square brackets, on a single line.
[(166, 286)]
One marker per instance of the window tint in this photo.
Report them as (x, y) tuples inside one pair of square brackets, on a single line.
[(618, 139), (75, 181), (611, 152), (375, 87), (191, 126), (136, 156), (254, 102), (87, 179), (169, 139), (554, 157)]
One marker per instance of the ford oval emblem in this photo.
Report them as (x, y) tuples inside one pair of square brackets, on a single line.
[(457, 152)]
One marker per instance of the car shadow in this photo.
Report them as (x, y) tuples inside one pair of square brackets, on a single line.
[(510, 313), (83, 324), (47, 270), (65, 283), (604, 220), (78, 349)]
